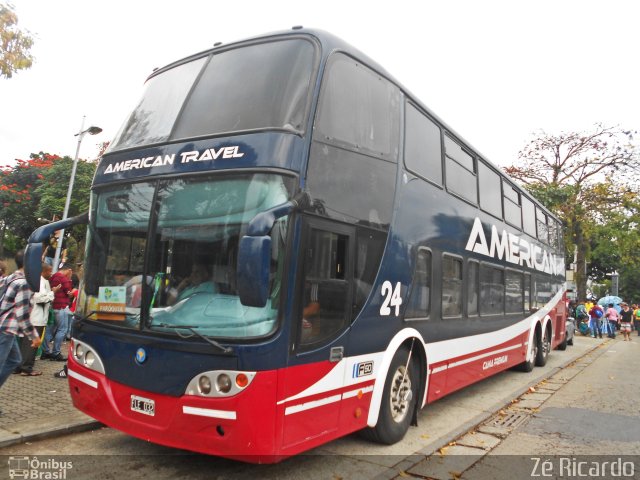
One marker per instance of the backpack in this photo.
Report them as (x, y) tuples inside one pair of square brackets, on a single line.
[(598, 312), (581, 312)]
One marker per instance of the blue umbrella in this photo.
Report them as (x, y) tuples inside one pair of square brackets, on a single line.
[(605, 301)]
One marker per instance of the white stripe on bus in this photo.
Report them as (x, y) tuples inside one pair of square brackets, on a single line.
[(314, 404), (82, 378), (208, 412), (473, 359)]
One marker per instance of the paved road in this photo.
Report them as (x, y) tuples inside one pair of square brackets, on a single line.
[(584, 421), (107, 454)]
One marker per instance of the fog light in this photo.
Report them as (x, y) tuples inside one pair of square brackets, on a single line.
[(204, 385), (223, 383), (79, 351)]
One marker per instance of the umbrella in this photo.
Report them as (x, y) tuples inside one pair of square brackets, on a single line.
[(605, 301)]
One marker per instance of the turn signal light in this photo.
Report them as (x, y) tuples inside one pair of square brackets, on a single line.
[(242, 380)]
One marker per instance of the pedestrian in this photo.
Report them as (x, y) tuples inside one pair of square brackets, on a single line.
[(611, 321), (40, 303), (582, 317), (50, 248), (626, 317), (588, 304), (61, 302), (75, 282), (636, 318), (14, 319), (595, 314)]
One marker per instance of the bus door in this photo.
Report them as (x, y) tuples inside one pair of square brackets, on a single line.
[(315, 375)]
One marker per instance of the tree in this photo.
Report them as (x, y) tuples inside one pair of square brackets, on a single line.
[(572, 173), (52, 190), (15, 44), (53, 194), (36, 189), (615, 246), (19, 198)]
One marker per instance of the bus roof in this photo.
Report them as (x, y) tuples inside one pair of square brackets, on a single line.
[(330, 43)]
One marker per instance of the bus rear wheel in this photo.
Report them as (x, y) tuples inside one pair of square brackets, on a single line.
[(532, 354), (399, 400), (543, 349)]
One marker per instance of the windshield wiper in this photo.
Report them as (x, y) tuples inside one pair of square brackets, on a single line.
[(85, 317), (192, 329)]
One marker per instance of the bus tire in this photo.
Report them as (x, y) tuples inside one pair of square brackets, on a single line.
[(544, 347), (563, 345), (530, 362), (399, 400)]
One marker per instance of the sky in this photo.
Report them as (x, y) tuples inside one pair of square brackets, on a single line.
[(496, 71)]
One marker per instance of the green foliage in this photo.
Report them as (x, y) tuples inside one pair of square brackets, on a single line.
[(53, 188), (18, 196), (615, 245), (570, 174), (15, 44), (36, 189)]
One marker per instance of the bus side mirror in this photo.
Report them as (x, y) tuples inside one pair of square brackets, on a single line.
[(33, 250), (254, 266), (33, 265)]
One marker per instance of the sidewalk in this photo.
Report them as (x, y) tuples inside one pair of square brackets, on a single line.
[(39, 407)]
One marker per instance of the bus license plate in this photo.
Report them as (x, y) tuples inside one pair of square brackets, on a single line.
[(142, 405)]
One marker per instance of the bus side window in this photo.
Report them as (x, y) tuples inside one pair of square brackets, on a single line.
[(451, 286), (419, 306), (326, 288)]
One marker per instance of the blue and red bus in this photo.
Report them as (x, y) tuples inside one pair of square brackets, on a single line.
[(285, 246)]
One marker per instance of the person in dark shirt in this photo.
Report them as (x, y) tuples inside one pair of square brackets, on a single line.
[(626, 317)]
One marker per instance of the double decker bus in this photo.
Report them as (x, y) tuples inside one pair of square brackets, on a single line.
[(285, 246)]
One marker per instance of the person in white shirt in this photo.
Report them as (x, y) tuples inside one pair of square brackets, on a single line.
[(40, 303)]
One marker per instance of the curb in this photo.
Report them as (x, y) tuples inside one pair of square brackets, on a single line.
[(30, 431)]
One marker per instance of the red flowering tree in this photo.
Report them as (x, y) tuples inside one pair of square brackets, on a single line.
[(36, 189)]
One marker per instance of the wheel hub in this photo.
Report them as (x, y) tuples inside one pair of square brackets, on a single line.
[(401, 394)]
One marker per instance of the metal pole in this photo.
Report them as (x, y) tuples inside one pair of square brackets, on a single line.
[(69, 191), (614, 283)]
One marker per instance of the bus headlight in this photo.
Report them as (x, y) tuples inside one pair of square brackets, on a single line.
[(79, 351), (86, 356), (223, 383), (89, 359), (219, 383), (204, 385)]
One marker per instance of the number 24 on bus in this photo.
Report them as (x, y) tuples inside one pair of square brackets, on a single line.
[(295, 249)]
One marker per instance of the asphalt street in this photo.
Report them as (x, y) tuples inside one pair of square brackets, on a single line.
[(107, 454)]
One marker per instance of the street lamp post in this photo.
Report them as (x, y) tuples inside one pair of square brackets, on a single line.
[(614, 283), (91, 131), (615, 276)]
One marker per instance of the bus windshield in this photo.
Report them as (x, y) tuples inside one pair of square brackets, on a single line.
[(266, 85), (171, 246)]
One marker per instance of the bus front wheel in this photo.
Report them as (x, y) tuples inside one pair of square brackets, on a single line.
[(399, 400)]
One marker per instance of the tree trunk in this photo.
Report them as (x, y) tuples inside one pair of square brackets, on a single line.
[(581, 260)]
